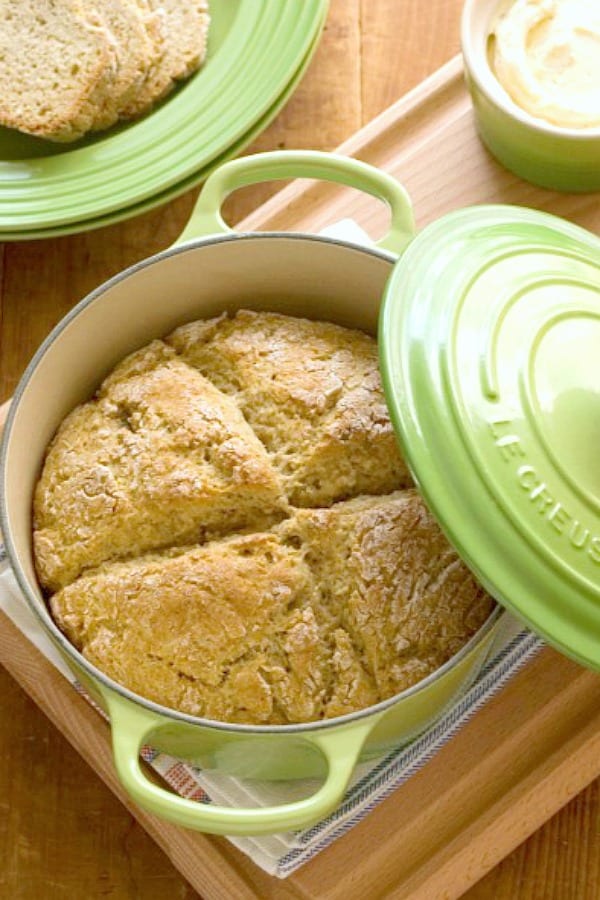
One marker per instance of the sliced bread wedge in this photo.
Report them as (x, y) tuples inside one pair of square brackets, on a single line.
[(134, 51), (180, 31), (56, 63)]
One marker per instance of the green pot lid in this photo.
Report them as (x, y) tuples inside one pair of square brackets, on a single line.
[(255, 48), (490, 347)]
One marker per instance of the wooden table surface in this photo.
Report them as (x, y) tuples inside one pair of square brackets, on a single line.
[(62, 833)]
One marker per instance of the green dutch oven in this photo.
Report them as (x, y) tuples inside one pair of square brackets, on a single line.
[(488, 323)]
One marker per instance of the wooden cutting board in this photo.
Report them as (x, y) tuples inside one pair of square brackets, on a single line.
[(524, 755)]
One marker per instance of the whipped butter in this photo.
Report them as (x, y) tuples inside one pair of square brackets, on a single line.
[(546, 55)]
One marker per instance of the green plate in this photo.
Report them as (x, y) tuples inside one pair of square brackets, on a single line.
[(183, 186), (256, 47)]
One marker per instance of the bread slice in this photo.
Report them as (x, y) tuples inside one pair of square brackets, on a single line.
[(160, 457), (56, 62), (134, 51), (179, 31), (312, 393)]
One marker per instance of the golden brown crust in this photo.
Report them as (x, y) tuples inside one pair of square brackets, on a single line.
[(160, 457), (204, 631), (393, 581), (330, 612), (312, 393), (284, 614)]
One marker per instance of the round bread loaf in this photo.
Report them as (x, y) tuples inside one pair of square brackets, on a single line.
[(228, 528)]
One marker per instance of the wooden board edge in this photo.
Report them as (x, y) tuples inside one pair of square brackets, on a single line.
[(448, 77), (520, 758), (509, 822)]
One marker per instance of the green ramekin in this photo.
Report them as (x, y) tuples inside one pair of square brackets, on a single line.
[(563, 159)]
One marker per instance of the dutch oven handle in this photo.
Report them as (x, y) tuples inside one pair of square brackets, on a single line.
[(132, 726), (206, 218)]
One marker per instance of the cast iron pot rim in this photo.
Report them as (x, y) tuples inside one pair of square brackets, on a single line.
[(43, 615)]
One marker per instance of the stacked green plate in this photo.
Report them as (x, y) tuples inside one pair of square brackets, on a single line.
[(258, 50)]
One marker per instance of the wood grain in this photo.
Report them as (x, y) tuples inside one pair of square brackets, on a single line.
[(62, 833)]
